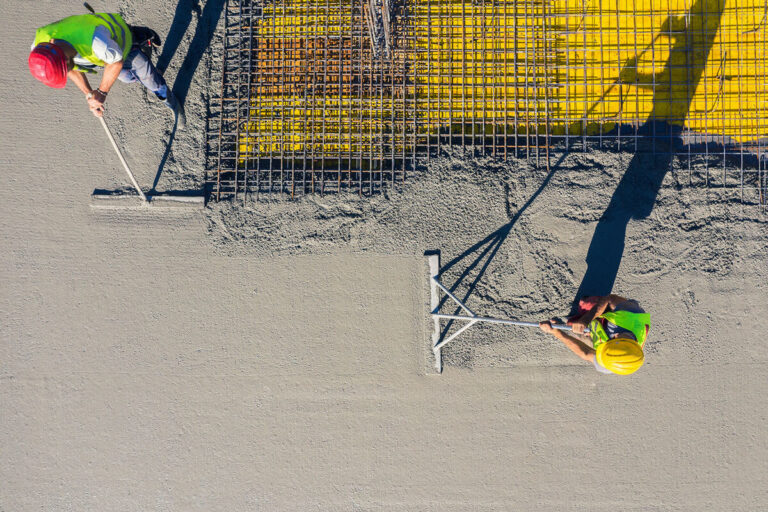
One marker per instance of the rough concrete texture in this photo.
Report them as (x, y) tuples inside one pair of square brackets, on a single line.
[(517, 236), (269, 357)]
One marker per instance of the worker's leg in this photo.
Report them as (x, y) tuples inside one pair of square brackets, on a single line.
[(138, 67)]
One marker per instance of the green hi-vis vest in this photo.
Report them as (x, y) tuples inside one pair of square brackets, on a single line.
[(637, 323), (78, 31)]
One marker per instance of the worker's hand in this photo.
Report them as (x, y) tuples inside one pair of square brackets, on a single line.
[(96, 103), (546, 326), (97, 111), (579, 327)]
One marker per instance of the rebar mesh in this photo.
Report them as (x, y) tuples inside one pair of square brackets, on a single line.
[(310, 104), (306, 106)]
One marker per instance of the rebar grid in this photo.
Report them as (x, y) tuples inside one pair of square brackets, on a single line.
[(307, 105)]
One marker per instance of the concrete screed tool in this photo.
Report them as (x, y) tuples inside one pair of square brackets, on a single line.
[(439, 341), (106, 199)]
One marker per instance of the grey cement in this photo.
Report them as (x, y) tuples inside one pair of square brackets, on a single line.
[(536, 225), (270, 357)]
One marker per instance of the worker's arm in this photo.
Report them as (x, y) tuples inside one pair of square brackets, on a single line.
[(603, 303), (81, 81), (111, 72), (78, 77), (576, 346)]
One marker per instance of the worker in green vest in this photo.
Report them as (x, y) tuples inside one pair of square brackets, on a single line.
[(82, 44), (618, 328)]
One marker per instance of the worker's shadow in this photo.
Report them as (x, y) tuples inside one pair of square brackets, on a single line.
[(691, 38), (207, 19)]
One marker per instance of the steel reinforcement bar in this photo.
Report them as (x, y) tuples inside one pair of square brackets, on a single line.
[(315, 98)]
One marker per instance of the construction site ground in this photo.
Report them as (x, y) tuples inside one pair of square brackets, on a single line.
[(274, 355)]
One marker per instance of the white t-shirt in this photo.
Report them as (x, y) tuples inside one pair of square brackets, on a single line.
[(599, 367), (104, 47)]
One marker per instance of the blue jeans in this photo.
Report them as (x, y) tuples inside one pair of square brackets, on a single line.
[(138, 68)]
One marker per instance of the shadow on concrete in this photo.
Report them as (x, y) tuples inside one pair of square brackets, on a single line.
[(691, 38), (181, 20), (166, 154), (481, 254), (207, 19)]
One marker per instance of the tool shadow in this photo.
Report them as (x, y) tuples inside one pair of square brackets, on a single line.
[(207, 20), (480, 255)]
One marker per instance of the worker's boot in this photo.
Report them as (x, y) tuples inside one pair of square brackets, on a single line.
[(178, 109)]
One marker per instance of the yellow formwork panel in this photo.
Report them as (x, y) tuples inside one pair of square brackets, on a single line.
[(320, 122), (677, 61), (700, 63), (564, 66)]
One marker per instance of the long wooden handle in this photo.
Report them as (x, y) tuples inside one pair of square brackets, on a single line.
[(125, 164)]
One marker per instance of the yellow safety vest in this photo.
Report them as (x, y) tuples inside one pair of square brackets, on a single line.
[(637, 323), (78, 31)]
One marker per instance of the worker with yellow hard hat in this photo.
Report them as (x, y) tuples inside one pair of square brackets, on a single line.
[(618, 328)]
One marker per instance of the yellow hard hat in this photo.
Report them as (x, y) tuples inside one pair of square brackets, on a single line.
[(622, 356)]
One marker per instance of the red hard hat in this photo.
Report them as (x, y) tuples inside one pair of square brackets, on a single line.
[(48, 64)]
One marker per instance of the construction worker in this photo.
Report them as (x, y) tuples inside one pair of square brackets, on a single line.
[(77, 45), (618, 328)]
